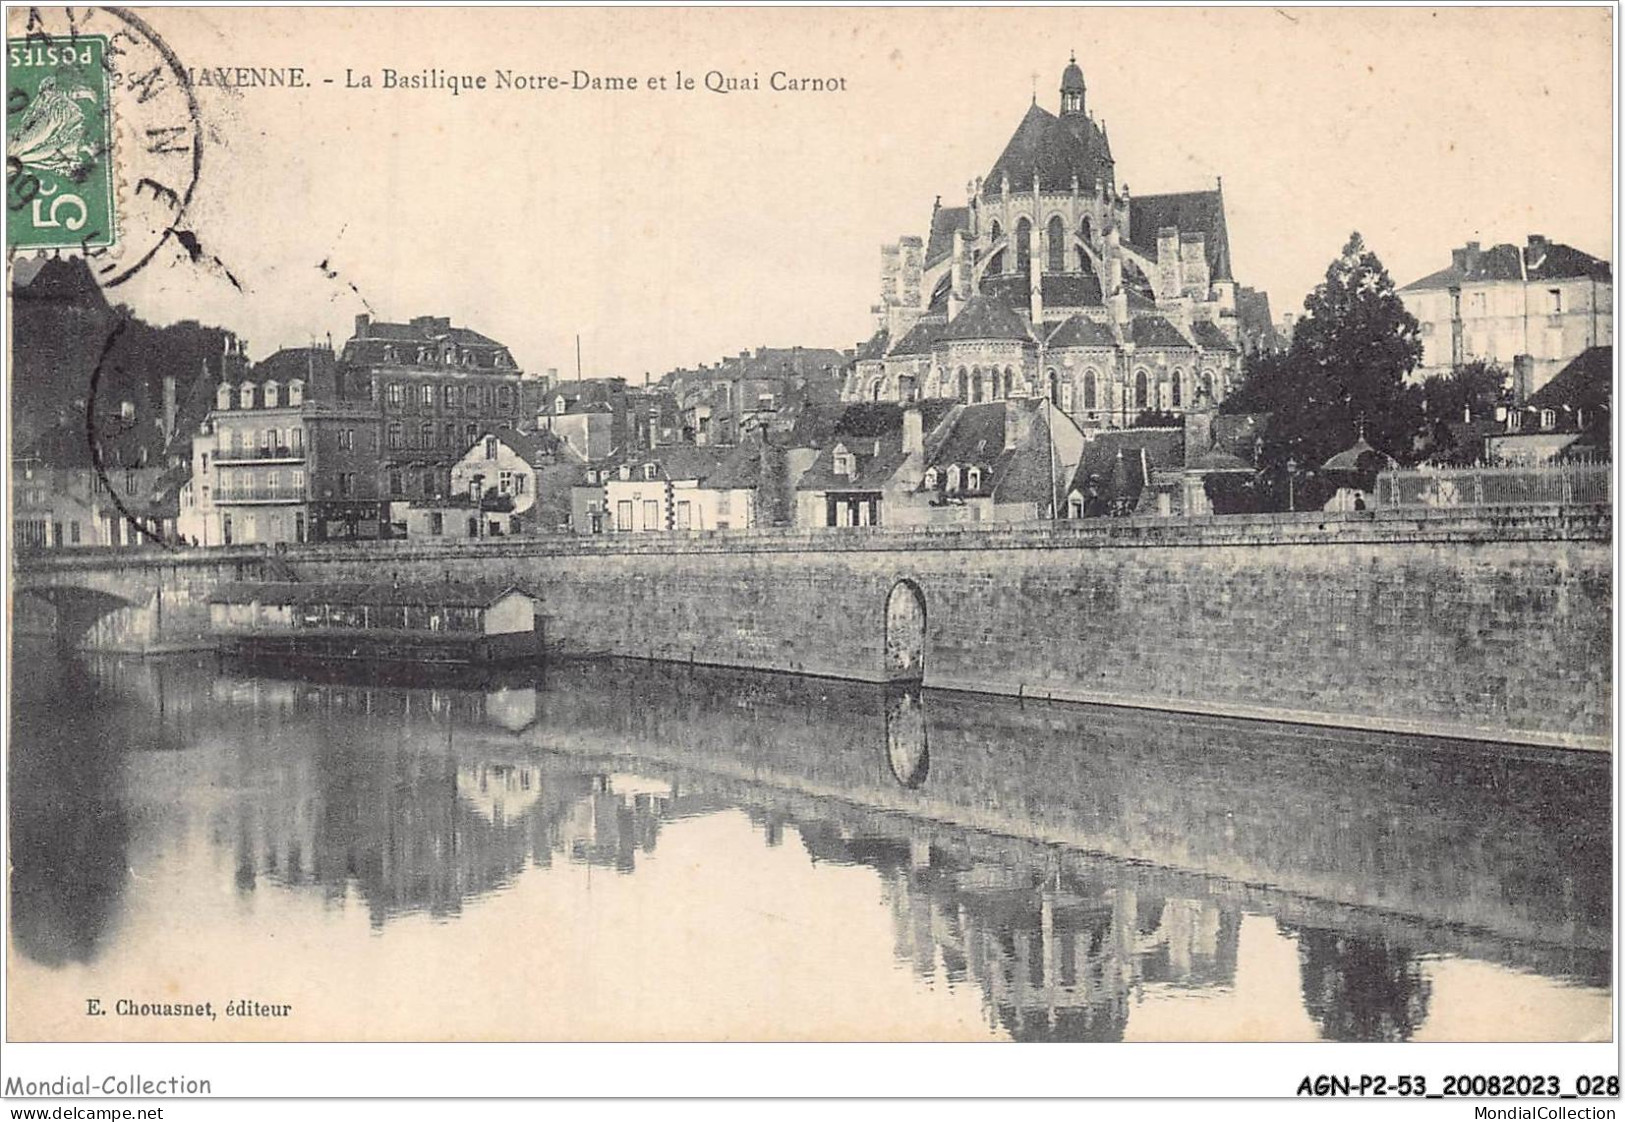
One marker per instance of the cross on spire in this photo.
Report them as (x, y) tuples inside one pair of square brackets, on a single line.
[(1035, 87)]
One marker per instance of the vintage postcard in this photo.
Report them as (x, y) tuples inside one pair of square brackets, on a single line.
[(812, 524)]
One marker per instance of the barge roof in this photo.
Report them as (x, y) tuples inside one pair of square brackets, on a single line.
[(445, 593)]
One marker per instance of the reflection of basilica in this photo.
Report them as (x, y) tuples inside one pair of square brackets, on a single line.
[(421, 800), (1056, 955)]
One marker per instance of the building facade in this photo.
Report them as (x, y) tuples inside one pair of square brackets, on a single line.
[(282, 457), (1054, 281), (435, 387), (1530, 309)]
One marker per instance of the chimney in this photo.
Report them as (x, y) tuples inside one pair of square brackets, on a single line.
[(1198, 426), (913, 432), (1473, 253), (362, 322), (1537, 246), (169, 405)]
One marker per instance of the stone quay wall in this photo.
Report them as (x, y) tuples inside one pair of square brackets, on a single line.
[(1486, 624)]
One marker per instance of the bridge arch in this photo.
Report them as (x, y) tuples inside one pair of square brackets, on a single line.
[(77, 608), (905, 632)]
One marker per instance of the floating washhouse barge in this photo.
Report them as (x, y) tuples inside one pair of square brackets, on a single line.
[(451, 622)]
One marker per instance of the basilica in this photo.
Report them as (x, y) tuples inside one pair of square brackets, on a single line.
[(1052, 281)]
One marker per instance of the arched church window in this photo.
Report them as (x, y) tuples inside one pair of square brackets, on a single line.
[(964, 385), (1207, 382), (996, 265), (1057, 245), (976, 385), (1140, 389), (1009, 382), (1089, 389), (1024, 249), (1086, 231), (1054, 386), (1179, 380)]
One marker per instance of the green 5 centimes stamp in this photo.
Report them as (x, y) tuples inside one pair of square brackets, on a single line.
[(59, 173)]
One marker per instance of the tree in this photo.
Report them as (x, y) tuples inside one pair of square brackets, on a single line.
[(1446, 399), (1346, 366)]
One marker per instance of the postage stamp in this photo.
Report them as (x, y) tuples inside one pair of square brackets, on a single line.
[(59, 184), (104, 141)]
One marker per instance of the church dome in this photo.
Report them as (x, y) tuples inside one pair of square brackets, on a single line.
[(1072, 77)]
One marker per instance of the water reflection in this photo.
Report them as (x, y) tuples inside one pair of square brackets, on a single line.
[(70, 830), (1361, 989), (1070, 867)]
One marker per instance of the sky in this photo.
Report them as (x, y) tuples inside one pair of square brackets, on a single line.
[(673, 228)]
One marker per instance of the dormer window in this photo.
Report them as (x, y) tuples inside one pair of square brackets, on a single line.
[(1514, 421), (844, 463), (126, 410), (973, 479), (626, 472), (648, 471), (1548, 418), (389, 354), (490, 447), (931, 479), (953, 477), (222, 397), (245, 396), (296, 392), (271, 394), (558, 405)]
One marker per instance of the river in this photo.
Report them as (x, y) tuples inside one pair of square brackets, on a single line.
[(632, 851)]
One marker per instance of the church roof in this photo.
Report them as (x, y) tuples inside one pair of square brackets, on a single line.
[(1209, 337), (922, 337), (944, 221), (1061, 290), (875, 347), (1155, 331), (1194, 212), (1054, 150), (1080, 331), (985, 317)]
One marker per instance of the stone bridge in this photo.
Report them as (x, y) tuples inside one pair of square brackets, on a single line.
[(140, 601), (1488, 624)]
